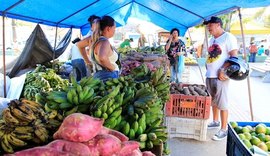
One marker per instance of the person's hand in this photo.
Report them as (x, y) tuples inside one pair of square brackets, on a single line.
[(178, 53), (171, 37), (221, 75), (89, 66)]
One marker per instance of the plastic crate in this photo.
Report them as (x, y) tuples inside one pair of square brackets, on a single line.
[(235, 146), (188, 106), (187, 128)]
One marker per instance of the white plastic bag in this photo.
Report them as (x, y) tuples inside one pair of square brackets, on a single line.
[(16, 87), (2, 84), (3, 104)]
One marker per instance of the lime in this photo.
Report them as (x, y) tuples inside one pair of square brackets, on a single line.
[(247, 143), (267, 131), (255, 141), (267, 138), (238, 129), (247, 135), (260, 129), (263, 146), (245, 129), (242, 136), (261, 136), (234, 124)]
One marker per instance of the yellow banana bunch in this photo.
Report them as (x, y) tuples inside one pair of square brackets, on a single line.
[(9, 118), (41, 133), (21, 115), (22, 136), (15, 141), (24, 129), (6, 146)]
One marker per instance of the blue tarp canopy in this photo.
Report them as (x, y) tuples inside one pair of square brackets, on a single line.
[(164, 13)]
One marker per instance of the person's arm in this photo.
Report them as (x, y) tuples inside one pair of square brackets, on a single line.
[(82, 45), (221, 74), (167, 47), (103, 50)]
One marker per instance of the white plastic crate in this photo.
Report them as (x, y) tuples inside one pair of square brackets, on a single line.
[(187, 128)]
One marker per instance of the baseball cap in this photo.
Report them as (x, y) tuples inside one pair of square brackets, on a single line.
[(213, 20)]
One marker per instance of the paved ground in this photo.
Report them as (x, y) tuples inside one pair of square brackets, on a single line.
[(239, 111)]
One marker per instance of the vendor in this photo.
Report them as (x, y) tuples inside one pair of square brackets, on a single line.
[(126, 43)]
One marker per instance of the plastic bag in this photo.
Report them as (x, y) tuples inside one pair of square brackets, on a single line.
[(2, 84), (181, 63), (16, 87), (3, 104)]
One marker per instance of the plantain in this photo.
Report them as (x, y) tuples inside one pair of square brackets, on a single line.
[(41, 133), (131, 134), (71, 111), (33, 103), (37, 110), (15, 141), (8, 117), (24, 136), (52, 114), (65, 105), (22, 116), (70, 96), (23, 129), (6, 146), (25, 109), (117, 112), (2, 132)]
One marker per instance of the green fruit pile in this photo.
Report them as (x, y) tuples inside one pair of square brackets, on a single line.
[(40, 81), (258, 135), (130, 104)]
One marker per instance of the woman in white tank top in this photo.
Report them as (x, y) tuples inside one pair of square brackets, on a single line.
[(103, 55)]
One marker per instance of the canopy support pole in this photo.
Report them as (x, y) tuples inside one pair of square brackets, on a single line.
[(244, 57), (196, 57), (4, 57), (55, 42)]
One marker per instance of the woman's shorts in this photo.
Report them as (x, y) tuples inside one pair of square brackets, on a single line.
[(105, 75)]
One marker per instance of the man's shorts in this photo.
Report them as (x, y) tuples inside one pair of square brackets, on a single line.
[(219, 92)]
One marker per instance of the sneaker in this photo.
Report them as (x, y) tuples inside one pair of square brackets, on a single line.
[(221, 134), (214, 124)]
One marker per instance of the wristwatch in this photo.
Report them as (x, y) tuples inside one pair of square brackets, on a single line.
[(222, 69)]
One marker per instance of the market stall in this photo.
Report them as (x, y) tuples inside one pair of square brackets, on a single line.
[(132, 104)]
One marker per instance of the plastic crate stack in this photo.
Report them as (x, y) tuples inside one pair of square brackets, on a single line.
[(187, 116)]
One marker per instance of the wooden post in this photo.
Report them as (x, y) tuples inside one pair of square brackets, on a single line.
[(196, 57), (244, 57), (4, 57)]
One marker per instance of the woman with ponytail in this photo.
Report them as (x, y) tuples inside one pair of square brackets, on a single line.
[(104, 56)]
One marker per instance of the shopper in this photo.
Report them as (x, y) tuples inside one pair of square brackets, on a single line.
[(261, 50), (77, 61), (126, 43), (175, 48), (141, 41), (253, 51), (86, 42), (222, 46), (105, 58)]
